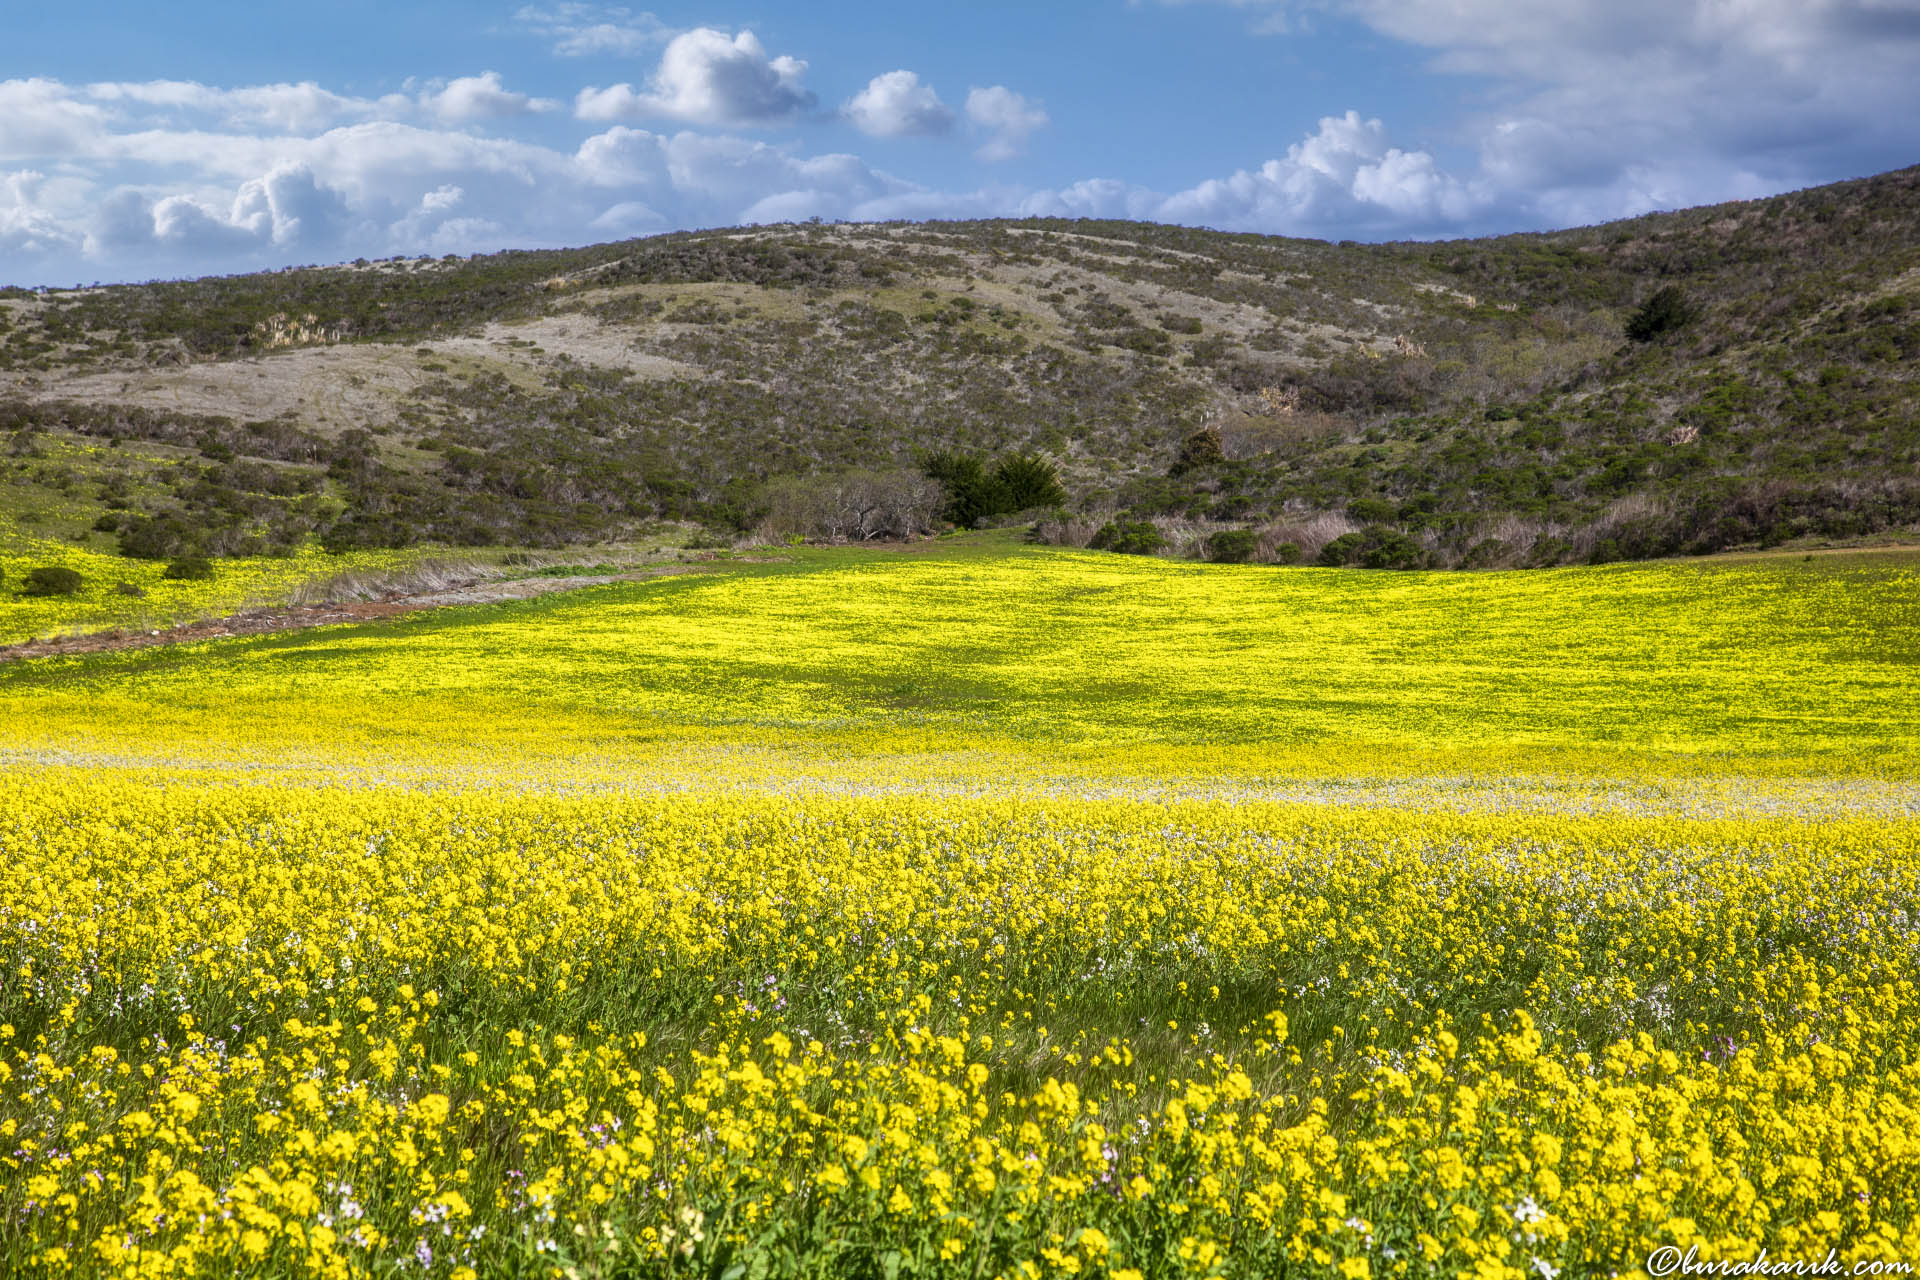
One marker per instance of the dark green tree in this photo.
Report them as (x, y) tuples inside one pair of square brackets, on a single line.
[(973, 493), (1029, 481), (159, 537), (1374, 547), (1667, 310), (1203, 448)]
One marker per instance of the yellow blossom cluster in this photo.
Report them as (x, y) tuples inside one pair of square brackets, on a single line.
[(255, 1028)]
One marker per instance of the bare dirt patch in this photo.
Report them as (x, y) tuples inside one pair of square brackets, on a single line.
[(333, 388), (299, 617), (328, 388)]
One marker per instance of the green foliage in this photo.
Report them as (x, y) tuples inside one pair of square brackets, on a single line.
[(973, 493), (1343, 550), (156, 537), (1029, 482), (1233, 546), (189, 569), (1129, 537), (1374, 547), (1372, 510), (1018, 482), (1667, 310), (52, 580), (1203, 448)]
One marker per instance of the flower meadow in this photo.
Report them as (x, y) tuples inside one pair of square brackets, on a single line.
[(117, 592), (903, 969)]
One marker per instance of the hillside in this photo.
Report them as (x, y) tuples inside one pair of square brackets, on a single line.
[(1470, 403)]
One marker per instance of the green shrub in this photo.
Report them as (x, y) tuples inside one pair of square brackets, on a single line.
[(55, 580), (188, 569), (1150, 342), (1342, 551), (1372, 510), (1390, 549), (973, 494), (1028, 482), (1203, 448), (1288, 553), (1485, 553), (158, 537), (1232, 546), (1551, 551), (1020, 482), (1667, 310), (1374, 547), (1129, 537)]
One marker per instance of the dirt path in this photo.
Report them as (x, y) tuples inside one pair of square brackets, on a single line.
[(298, 617)]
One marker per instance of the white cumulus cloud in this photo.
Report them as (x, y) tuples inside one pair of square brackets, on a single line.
[(623, 157), (31, 226), (481, 97), (286, 107), (1602, 108), (898, 105), (708, 77), (1011, 118), (1346, 178), (42, 117)]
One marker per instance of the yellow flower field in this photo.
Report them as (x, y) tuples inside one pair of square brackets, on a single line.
[(135, 594), (978, 914)]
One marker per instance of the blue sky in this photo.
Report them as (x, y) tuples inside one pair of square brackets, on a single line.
[(138, 141)]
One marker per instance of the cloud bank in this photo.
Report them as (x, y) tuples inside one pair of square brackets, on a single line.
[(1595, 111), (1608, 108)]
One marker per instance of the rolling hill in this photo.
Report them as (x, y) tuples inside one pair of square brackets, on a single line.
[(1467, 403)]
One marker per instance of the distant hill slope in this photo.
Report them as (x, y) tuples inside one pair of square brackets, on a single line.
[(1468, 402)]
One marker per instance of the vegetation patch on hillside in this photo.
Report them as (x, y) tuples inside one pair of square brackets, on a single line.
[(1682, 383)]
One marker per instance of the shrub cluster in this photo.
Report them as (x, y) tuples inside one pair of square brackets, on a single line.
[(1129, 537), (52, 580), (976, 493)]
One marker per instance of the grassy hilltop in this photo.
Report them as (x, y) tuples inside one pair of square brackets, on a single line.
[(1462, 403)]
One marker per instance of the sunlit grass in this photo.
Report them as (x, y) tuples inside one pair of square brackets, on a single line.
[(1747, 664), (136, 595)]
